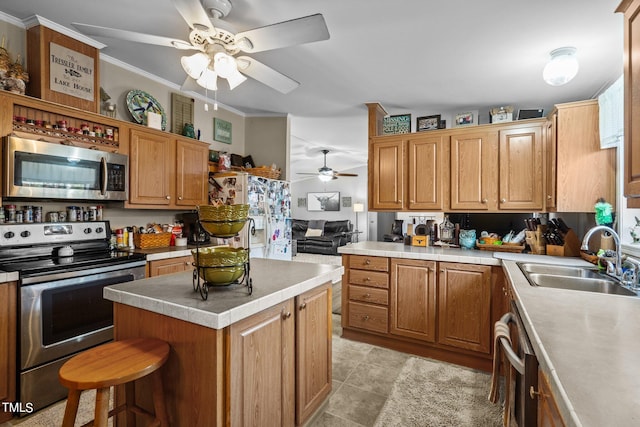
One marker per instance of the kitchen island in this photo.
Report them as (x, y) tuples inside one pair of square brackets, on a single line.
[(238, 359), (586, 343)]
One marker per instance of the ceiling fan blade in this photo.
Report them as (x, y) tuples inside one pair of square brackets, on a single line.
[(266, 75), (283, 34), (193, 13), (345, 174), (307, 173), (95, 30)]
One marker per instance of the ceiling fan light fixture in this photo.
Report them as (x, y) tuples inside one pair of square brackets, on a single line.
[(235, 79), (562, 67), (195, 64), (225, 65), (325, 178), (208, 79)]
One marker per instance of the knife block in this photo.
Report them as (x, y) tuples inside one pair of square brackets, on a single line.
[(536, 241), (571, 246)]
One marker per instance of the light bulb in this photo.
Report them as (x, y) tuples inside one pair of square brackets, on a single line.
[(562, 67)]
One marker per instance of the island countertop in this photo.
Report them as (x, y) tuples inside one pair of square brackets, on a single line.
[(173, 295)]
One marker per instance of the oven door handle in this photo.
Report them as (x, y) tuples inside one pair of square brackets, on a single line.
[(103, 170), (513, 358)]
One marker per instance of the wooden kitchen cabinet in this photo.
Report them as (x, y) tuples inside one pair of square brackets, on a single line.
[(262, 368), (169, 265), (474, 170), (166, 172), (428, 172), (464, 306), (8, 318), (630, 10), (387, 176), (313, 351), (584, 171), (413, 299), (521, 168), (548, 413), (365, 297)]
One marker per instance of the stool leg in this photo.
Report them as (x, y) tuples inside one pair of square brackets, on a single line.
[(130, 400), (71, 410), (102, 407), (159, 406)]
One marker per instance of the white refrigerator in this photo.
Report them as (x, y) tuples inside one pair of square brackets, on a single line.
[(269, 206)]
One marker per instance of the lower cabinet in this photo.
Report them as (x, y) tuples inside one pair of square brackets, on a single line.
[(435, 309), (281, 362), (263, 368), (464, 306), (8, 310), (169, 266), (413, 299), (313, 351), (548, 413)]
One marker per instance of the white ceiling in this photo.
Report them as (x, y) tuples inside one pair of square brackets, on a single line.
[(413, 56)]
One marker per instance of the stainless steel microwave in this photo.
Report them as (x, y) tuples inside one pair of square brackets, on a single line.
[(37, 169)]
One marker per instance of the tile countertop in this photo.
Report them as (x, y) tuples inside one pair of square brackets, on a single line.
[(167, 252), (273, 282), (587, 343), (8, 277)]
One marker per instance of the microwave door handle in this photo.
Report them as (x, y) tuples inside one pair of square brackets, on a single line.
[(103, 169)]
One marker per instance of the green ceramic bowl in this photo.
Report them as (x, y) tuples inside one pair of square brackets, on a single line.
[(223, 228), (222, 275), (221, 256), (223, 213)]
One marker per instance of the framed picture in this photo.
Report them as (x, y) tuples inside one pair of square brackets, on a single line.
[(468, 118), (302, 202), (329, 201), (400, 123), (221, 131), (346, 202), (428, 123)]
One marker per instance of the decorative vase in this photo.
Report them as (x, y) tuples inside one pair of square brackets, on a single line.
[(635, 231)]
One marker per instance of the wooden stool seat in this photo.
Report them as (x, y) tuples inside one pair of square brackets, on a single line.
[(112, 364)]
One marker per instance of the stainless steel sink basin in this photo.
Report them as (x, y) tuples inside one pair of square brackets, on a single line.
[(572, 278)]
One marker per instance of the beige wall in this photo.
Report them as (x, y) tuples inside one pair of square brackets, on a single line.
[(266, 140)]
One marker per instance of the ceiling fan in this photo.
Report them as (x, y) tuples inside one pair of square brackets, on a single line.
[(325, 173), (218, 43)]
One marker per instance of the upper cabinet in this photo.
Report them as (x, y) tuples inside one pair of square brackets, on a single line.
[(474, 170), (630, 9), (583, 171), (166, 171), (552, 164)]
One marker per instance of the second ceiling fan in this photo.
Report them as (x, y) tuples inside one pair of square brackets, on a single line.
[(326, 173)]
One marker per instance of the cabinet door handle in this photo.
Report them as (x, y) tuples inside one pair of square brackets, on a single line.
[(535, 394), (367, 262), (286, 314), (484, 201), (503, 200), (168, 197), (367, 295), (303, 306), (367, 279), (180, 198), (548, 196), (365, 317)]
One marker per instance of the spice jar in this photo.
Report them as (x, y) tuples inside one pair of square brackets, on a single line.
[(11, 214), (27, 214), (98, 131)]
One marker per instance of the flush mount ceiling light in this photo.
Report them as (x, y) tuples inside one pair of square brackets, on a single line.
[(562, 67)]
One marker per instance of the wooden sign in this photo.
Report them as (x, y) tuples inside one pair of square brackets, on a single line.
[(62, 69)]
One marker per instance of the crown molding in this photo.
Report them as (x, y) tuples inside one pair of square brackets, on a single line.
[(11, 20), (34, 20)]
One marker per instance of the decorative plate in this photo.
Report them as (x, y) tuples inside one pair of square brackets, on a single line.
[(139, 102)]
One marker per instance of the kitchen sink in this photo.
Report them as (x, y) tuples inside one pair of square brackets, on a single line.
[(573, 278)]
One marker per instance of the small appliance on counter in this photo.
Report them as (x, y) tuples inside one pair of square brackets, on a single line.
[(191, 229)]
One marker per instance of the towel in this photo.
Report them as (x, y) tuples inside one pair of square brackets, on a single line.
[(500, 330)]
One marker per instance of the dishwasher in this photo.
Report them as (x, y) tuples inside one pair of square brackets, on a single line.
[(521, 372)]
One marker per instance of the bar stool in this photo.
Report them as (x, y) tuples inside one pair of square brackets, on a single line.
[(115, 363)]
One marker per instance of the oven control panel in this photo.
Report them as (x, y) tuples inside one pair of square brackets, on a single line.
[(54, 232)]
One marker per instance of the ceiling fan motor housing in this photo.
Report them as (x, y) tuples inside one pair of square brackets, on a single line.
[(217, 8)]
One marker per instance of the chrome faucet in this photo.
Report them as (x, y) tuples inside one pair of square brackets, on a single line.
[(616, 239)]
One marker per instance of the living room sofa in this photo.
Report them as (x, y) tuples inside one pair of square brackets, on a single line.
[(320, 236)]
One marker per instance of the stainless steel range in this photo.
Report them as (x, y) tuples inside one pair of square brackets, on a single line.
[(63, 268)]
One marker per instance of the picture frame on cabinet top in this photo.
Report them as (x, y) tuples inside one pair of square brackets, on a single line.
[(468, 118), (399, 123), (428, 123)]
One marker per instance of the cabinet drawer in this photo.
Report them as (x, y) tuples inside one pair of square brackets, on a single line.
[(370, 317), (369, 278), (373, 263), (372, 295)]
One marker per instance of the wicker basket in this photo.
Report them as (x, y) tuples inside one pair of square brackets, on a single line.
[(265, 172), (152, 240)]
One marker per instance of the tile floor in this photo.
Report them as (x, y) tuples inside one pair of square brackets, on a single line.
[(363, 375)]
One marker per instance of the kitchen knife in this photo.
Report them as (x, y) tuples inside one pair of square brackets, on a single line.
[(563, 226)]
